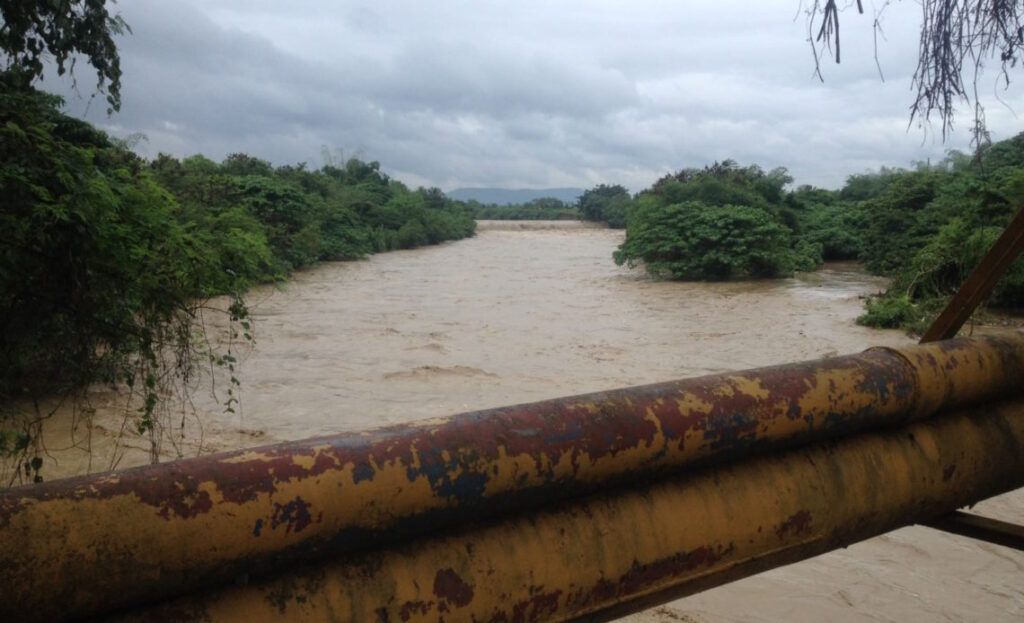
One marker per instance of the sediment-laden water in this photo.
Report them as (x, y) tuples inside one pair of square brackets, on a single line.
[(528, 311)]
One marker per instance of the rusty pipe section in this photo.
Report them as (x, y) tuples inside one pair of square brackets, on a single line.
[(610, 554), (82, 546)]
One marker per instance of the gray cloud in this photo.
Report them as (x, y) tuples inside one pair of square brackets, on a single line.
[(526, 93)]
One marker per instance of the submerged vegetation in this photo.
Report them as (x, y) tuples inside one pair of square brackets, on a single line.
[(108, 259), (924, 227), (720, 222)]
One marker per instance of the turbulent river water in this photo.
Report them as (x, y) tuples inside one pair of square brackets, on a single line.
[(527, 311)]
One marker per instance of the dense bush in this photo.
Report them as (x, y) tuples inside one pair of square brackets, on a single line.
[(99, 276), (336, 213), (542, 209), (820, 218), (928, 228), (720, 222), (898, 221), (837, 229), (606, 204), (694, 240)]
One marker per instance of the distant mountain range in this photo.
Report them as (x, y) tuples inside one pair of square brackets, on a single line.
[(505, 196)]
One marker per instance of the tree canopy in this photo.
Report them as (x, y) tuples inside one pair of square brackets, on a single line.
[(33, 32)]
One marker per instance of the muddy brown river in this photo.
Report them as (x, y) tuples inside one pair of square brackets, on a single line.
[(528, 311)]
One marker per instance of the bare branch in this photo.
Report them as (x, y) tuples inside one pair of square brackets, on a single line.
[(957, 38)]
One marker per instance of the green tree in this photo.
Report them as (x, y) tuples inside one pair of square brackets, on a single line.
[(695, 241), (722, 221), (60, 30), (604, 203), (99, 279)]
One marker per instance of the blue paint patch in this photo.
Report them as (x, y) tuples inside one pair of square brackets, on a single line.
[(567, 436), (468, 486), (362, 471), (431, 465), (294, 516), (258, 527), (730, 431), (875, 383)]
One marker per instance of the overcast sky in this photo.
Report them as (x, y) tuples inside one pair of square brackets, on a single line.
[(525, 93)]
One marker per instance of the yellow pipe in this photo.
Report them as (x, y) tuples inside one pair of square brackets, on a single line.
[(653, 543), (168, 529)]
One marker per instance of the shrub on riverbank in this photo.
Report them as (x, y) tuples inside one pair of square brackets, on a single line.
[(543, 209), (695, 241), (99, 273), (720, 222), (335, 213), (927, 229), (612, 205)]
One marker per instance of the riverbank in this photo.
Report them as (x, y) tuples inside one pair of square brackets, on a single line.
[(502, 318)]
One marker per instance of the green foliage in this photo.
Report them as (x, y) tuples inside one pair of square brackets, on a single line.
[(864, 186), (928, 228), (608, 204), (543, 209), (893, 312), (720, 222), (303, 217), (100, 280), (693, 240), (898, 222), (724, 183), (836, 227), (58, 31)]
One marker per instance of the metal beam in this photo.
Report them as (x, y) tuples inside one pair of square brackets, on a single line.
[(981, 528), (975, 289), (979, 284), (614, 553), (85, 546)]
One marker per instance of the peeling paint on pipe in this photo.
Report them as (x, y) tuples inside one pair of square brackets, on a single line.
[(613, 553), (84, 546)]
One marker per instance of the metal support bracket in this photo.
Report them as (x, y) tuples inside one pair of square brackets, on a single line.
[(975, 289), (981, 528), (980, 283)]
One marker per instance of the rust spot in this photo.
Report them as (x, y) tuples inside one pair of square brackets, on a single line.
[(798, 523), (641, 577), (410, 608), (537, 606), (294, 516), (186, 506), (450, 587)]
